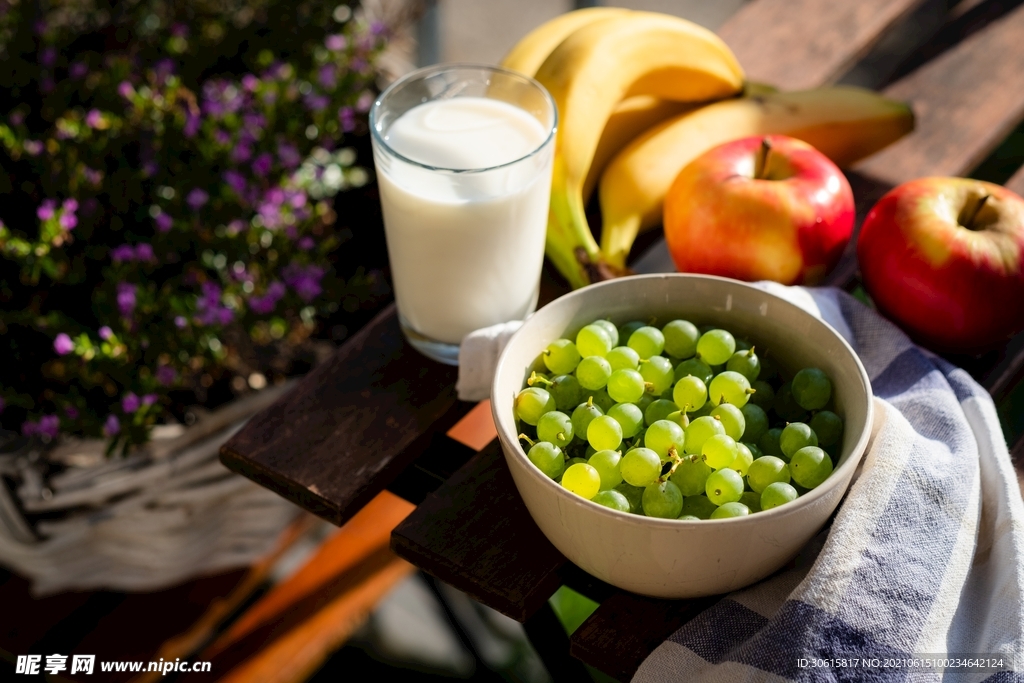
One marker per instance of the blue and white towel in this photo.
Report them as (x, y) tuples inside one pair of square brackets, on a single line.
[(925, 556)]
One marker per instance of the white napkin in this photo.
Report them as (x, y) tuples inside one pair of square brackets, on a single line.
[(478, 358)]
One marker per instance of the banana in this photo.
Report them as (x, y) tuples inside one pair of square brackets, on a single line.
[(531, 51), (844, 123), (588, 74)]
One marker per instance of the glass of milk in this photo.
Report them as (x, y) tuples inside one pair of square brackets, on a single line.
[(463, 156)]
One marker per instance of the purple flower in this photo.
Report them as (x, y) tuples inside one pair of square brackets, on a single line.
[(149, 399), (254, 122), (33, 147), (180, 322), (125, 90), (179, 30), (241, 153), (378, 28), (197, 198), (125, 298), (316, 102), (364, 102), (112, 427), (144, 253), (48, 57), (163, 222), (262, 165), (92, 177), (347, 118), (306, 243), (106, 333), (265, 304), (68, 221), (335, 42), (236, 181), (166, 375), (163, 69), (94, 119), (49, 425), (250, 82), (125, 252), (192, 122), (29, 428), (70, 204), (222, 137), (149, 168), (328, 76), (304, 280), (288, 155), (78, 70), (63, 344), (298, 200), (71, 412), (130, 403), (46, 209)]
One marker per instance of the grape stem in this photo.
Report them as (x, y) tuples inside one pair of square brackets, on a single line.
[(673, 457), (537, 379), (750, 353), (528, 440)]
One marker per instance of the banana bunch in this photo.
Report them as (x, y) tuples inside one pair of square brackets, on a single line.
[(639, 95)]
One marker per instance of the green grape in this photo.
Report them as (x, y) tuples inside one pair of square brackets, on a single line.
[(755, 421), (645, 401), (623, 358), (742, 462), (647, 341), (659, 410), (604, 433), (811, 389), (593, 340), (689, 518), (633, 494), (776, 494), (769, 370), (625, 386), (662, 436), (730, 387), (582, 479), (724, 486), (593, 372), (751, 500), (582, 417), (691, 474), (566, 391), (810, 466), (763, 396), (746, 363), (716, 346), (769, 443), (680, 338), (754, 449), (555, 427), (575, 461), (629, 417), (609, 327), (601, 398), (786, 406), (679, 417), (561, 357), (662, 500), (690, 394), (728, 510), (695, 367), (698, 506), (640, 467), (657, 371), (548, 458), (588, 452), (612, 499), (828, 426), (699, 431), (719, 451), (607, 465), (627, 330), (732, 419), (795, 436), (531, 403), (767, 470)]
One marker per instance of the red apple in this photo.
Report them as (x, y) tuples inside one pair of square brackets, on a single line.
[(944, 258), (759, 208)]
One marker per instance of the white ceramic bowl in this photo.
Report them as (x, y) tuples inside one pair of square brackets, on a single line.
[(677, 558)]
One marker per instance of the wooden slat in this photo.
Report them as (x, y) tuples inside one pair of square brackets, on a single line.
[(337, 439), (966, 101), (626, 628), (797, 44), (475, 533)]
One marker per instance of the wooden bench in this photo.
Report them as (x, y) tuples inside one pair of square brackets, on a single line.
[(378, 415)]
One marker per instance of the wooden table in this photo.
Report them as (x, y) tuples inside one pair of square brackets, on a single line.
[(377, 415)]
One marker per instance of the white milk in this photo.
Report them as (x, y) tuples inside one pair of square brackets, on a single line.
[(465, 248)]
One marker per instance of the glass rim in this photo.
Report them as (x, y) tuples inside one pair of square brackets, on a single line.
[(377, 137)]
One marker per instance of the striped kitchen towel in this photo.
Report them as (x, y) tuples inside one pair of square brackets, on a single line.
[(924, 559)]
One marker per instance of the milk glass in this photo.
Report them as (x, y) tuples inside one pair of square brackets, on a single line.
[(463, 156)]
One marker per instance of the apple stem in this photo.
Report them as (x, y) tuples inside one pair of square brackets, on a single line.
[(761, 164), (969, 223)]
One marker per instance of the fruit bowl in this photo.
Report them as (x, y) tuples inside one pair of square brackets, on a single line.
[(671, 558)]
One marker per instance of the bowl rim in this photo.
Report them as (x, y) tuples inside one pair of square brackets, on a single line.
[(509, 439)]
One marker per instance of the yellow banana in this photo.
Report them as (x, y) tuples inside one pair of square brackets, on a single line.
[(588, 74), (531, 51), (844, 123)]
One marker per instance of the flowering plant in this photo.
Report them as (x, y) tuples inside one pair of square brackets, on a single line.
[(168, 172)]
